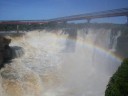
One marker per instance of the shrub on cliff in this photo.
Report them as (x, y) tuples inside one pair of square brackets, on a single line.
[(118, 84)]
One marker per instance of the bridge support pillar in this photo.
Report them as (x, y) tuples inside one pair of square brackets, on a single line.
[(17, 28), (88, 20), (87, 26)]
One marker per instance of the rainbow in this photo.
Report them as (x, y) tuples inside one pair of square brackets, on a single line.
[(91, 45)]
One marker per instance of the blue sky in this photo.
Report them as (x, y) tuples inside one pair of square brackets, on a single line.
[(47, 9)]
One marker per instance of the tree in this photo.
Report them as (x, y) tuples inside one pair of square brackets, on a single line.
[(118, 84)]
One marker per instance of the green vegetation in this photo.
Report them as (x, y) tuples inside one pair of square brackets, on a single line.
[(54, 25), (118, 84), (25, 27)]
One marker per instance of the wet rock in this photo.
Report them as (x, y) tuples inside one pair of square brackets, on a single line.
[(8, 74), (5, 50), (4, 41), (1, 58), (122, 46)]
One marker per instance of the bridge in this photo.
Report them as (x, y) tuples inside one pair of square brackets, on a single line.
[(87, 16)]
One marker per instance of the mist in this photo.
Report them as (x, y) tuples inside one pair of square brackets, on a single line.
[(59, 63)]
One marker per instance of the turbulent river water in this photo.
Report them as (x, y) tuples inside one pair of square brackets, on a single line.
[(56, 65)]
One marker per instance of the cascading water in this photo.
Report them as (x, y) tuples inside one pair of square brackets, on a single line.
[(115, 35), (47, 70)]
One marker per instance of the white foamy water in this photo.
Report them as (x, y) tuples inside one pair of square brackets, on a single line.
[(47, 70)]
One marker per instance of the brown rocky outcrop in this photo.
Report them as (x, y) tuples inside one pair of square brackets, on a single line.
[(5, 50)]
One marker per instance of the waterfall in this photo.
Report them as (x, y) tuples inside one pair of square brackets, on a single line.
[(114, 38), (47, 70)]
